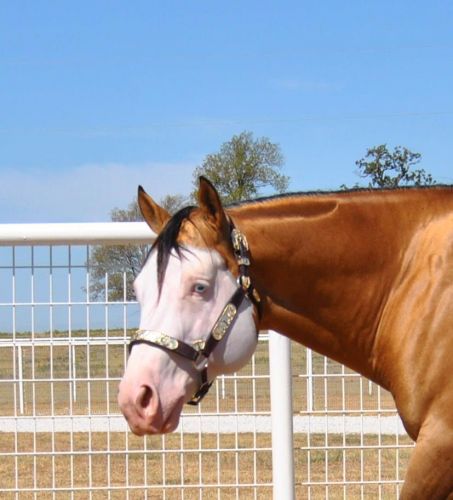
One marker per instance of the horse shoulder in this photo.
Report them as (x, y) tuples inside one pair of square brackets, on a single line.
[(415, 337)]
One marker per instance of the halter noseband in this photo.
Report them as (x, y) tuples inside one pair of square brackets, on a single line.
[(200, 350)]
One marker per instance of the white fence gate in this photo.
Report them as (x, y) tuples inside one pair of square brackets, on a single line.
[(62, 353)]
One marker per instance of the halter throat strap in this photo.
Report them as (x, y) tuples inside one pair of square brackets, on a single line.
[(200, 350)]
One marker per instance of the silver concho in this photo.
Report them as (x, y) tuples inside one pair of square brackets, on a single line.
[(158, 338), (224, 322), (199, 345), (239, 239)]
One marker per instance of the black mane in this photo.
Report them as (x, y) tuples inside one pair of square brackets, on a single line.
[(322, 192), (168, 241)]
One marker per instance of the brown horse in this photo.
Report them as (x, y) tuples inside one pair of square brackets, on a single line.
[(364, 277)]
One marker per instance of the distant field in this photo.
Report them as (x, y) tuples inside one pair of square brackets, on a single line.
[(49, 382), (101, 464)]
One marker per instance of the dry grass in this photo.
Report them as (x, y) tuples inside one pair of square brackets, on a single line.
[(98, 369), (99, 462), (106, 465)]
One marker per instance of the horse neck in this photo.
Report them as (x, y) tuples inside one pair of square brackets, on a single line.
[(326, 264)]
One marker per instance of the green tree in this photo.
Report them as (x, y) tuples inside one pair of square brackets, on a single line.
[(239, 170), (122, 263), (242, 167), (389, 169)]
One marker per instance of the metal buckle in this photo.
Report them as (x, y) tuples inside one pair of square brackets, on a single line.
[(243, 261), (199, 345), (201, 362), (200, 394), (239, 240), (245, 282)]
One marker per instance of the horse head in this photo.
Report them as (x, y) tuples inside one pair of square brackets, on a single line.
[(198, 312)]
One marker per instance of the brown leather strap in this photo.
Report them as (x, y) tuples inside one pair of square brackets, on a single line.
[(200, 353), (165, 342)]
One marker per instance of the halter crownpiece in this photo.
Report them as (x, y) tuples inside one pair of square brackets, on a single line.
[(242, 253), (200, 350)]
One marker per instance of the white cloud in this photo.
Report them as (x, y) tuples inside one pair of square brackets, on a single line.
[(86, 192)]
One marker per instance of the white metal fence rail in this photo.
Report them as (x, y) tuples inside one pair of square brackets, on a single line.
[(62, 354)]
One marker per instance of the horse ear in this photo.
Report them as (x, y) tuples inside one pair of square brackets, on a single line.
[(155, 216), (209, 202)]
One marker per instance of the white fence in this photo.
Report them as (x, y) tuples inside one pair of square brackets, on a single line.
[(62, 354)]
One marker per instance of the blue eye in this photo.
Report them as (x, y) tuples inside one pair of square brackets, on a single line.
[(199, 288)]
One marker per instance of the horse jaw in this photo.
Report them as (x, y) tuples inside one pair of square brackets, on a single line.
[(156, 384)]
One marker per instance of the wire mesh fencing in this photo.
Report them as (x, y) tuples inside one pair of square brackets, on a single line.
[(62, 353)]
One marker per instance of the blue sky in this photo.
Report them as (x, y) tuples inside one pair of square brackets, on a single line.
[(97, 97)]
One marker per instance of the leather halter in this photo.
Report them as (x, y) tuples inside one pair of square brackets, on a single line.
[(200, 350)]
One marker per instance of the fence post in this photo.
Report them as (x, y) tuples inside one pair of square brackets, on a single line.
[(74, 374), (282, 416), (309, 355), (20, 377)]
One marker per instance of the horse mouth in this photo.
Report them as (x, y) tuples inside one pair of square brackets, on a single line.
[(172, 421)]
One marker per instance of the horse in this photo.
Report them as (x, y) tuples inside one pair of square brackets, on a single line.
[(364, 277)]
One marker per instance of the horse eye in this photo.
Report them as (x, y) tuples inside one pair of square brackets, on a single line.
[(199, 288)]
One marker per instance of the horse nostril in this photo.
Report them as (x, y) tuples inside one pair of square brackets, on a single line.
[(144, 396)]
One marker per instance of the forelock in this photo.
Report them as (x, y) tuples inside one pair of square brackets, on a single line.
[(167, 241)]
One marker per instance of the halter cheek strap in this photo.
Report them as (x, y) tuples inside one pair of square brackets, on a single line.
[(200, 350)]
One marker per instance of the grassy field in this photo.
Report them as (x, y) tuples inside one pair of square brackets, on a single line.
[(108, 466), (101, 465), (49, 387)]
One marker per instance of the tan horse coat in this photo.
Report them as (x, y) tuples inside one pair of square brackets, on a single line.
[(365, 278)]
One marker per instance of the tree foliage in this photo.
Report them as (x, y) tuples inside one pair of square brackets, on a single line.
[(114, 268), (173, 202), (390, 169), (242, 167)]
